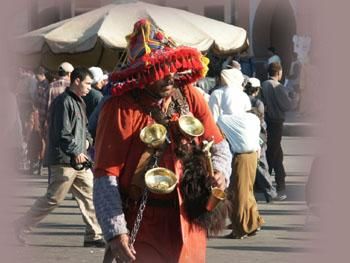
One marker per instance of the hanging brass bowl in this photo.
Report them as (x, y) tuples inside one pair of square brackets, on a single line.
[(217, 195), (153, 135), (191, 126), (160, 180)]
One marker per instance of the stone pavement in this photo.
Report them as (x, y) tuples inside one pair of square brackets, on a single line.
[(283, 238), (59, 237), (297, 124)]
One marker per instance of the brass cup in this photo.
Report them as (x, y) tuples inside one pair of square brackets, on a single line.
[(191, 126), (153, 135), (160, 180), (216, 196)]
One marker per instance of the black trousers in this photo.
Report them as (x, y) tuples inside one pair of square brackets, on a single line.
[(274, 153)]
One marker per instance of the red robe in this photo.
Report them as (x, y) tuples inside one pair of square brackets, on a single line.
[(164, 231)]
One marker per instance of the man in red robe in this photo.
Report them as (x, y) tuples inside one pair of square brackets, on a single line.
[(155, 87)]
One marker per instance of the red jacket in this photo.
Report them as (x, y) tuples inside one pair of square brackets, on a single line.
[(119, 148)]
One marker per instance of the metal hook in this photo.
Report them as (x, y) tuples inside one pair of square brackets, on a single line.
[(155, 162)]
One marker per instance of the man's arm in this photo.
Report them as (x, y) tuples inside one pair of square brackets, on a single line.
[(222, 159), (283, 101), (109, 208), (109, 213), (89, 138), (113, 138)]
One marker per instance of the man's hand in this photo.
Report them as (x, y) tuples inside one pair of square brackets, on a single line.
[(121, 250), (219, 180), (81, 158)]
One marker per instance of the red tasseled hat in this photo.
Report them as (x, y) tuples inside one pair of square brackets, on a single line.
[(151, 55)]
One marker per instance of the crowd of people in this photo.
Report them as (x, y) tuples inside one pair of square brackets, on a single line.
[(84, 125)]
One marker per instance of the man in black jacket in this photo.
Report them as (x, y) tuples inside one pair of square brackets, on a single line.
[(68, 142), (276, 102)]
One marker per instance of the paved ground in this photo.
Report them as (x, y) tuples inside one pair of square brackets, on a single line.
[(284, 238), (297, 124)]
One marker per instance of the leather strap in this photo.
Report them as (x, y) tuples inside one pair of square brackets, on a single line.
[(138, 180), (178, 104)]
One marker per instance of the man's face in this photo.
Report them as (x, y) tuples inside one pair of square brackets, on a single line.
[(99, 85), (40, 77), (164, 87), (83, 86), (280, 74)]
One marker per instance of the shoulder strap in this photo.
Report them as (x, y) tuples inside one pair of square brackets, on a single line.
[(177, 105)]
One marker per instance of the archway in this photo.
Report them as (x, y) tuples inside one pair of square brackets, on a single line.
[(274, 25)]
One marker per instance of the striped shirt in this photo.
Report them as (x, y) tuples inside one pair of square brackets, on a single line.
[(56, 88), (41, 98)]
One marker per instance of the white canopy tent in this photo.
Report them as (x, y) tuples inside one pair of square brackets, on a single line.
[(94, 38)]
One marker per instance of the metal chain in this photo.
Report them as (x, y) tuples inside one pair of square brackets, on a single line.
[(137, 223), (142, 207), (155, 165)]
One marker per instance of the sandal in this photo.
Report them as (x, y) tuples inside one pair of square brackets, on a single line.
[(254, 232), (233, 235)]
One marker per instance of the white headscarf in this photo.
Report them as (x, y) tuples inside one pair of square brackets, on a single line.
[(232, 78)]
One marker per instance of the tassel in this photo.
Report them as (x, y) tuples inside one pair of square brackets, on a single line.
[(156, 75), (195, 64), (127, 85), (149, 78), (113, 91), (178, 64), (144, 78), (205, 60), (133, 84), (166, 69), (189, 63), (184, 63), (141, 84), (160, 72), (172, 68)]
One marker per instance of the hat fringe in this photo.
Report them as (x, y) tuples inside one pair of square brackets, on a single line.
[(158, 64)]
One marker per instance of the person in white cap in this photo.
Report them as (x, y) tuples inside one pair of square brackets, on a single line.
[(58, 87), (263, 179), (66, 67), (95, 95)]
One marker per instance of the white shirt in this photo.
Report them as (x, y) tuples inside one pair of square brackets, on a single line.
[(228, 100), (242, 131)]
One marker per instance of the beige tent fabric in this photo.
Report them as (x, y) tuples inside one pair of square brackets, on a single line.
[(110, 24), (105, 58)]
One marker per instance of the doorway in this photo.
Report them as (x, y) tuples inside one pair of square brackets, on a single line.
[(274, 25)]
